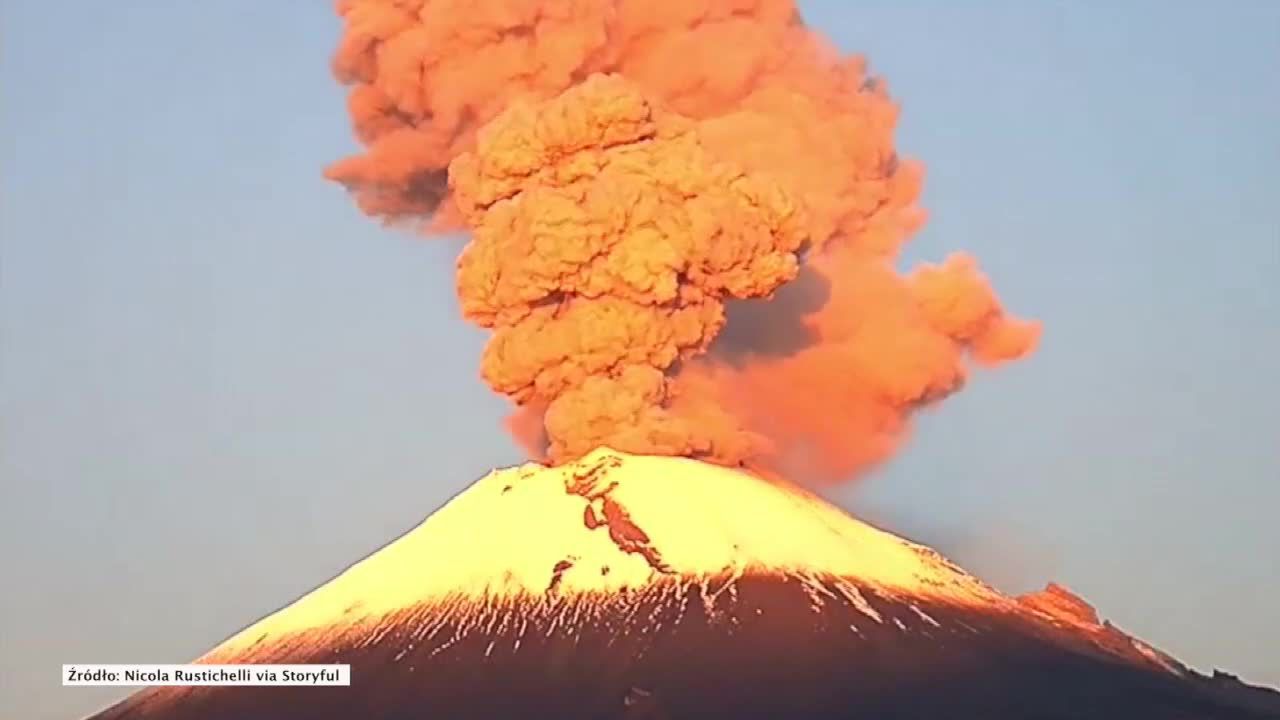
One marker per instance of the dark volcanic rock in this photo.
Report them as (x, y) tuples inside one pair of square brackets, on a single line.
[(764, 650), (631, 587)]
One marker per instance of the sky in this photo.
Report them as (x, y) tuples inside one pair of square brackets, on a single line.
[(220, 384)]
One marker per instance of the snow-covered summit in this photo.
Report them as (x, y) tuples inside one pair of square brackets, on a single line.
[(624, 587), (614, 522)]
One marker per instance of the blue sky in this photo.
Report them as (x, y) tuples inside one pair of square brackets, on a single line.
[(220, 385)]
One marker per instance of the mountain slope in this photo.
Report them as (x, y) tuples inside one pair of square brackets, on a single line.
[(625, 586)]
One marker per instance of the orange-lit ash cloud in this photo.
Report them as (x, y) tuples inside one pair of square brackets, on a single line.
[(604, 239), (685, 220)]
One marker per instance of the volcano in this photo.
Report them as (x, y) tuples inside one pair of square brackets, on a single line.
[(622, 586)]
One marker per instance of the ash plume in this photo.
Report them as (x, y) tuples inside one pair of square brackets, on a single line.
[(634, 175)]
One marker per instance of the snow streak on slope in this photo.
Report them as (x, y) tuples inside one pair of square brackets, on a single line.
[(613, 522), (570, 592)]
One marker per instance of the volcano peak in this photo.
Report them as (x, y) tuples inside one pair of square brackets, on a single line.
[(622, 582), (614, 523)]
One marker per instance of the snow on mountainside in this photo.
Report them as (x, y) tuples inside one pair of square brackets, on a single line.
[(1065, 609), (612, 522), (623, 586)]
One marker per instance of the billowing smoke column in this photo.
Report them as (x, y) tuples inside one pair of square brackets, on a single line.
[(685, 218)]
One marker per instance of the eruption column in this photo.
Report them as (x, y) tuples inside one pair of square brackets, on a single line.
[(639, 175), (605, 238)]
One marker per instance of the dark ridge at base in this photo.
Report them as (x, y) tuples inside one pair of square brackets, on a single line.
[(757, 651)]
